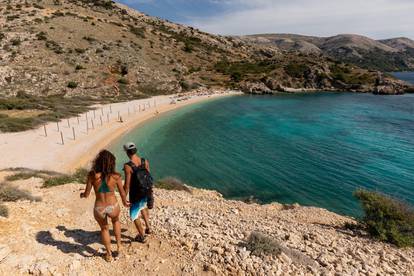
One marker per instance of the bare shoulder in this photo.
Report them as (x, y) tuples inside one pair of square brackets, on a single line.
[(116, 175)]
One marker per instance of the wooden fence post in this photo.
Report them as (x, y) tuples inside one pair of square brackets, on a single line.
[(61, 137)]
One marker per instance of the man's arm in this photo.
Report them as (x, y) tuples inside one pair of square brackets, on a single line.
[(147, 166), (127, 171), (122, 191)]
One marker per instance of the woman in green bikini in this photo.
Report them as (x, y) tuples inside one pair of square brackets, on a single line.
[(104, 179)]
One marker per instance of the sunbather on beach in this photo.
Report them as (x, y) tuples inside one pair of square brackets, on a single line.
[(138, 183), (103, 178)]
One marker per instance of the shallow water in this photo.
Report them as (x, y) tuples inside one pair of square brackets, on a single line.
[(314, 149)]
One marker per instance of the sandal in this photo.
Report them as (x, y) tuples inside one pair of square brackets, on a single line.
[(148, 231), (140, 238), (108, 258)]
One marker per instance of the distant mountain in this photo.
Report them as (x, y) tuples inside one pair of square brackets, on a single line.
[(396, 54)]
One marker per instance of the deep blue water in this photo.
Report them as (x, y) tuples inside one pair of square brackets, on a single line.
[(314, 149), (405, 76)]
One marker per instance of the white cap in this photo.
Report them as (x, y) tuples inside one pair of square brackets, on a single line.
[(129, 146)]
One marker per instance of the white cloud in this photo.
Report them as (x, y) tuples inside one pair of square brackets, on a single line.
[(375, 18)]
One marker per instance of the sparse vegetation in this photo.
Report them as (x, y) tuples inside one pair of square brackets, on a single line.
[(22, 176), (387, 218), (138, 31), (171, 183), (54, 46), (296, 70), (78, 177), (16, 41), (188, 47), (9, 193), (41, 36), (4, 212), (55, 107), (123, 81), (72, 84), (260, 244), (239, 70)]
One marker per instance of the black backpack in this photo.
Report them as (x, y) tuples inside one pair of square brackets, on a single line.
[(141, 182)]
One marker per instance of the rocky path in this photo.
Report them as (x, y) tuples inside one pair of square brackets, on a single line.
[(195, 234)]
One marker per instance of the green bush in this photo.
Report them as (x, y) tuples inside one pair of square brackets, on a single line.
[(41, 36), (9, 193), (78, 177), (4, 212), (296, 70), (138, 31), (172, 184), (188, 47), (259, 244), (72, 84), (386, 218)]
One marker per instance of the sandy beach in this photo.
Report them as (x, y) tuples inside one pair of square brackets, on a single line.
[(84, 136)]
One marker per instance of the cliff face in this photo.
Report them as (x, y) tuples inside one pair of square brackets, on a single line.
[(105, 50)]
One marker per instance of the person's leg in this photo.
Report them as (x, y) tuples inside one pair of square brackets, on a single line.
[(145, 215), (135, 213), (106, 238), (139, 227), (117, 227)]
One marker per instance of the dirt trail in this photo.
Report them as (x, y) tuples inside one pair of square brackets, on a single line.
[(59, 236)]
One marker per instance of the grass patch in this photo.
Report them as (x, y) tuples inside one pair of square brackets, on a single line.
[(54, 108), (9, 193), (259, 244), (79, 176), (386, 218), (22, 176), (172, 184)]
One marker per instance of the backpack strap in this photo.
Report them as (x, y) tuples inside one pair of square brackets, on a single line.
[(132, 165), (143, 163)]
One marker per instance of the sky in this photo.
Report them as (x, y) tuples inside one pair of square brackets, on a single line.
[(374, 18)]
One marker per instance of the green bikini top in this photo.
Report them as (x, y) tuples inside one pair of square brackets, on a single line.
[(104, 189)]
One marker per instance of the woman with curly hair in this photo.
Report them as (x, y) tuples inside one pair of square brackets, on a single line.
[(104, 180)]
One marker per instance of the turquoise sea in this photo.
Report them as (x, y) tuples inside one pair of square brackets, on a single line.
[(314, 149)]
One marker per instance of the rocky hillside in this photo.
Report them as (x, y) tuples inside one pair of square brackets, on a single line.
[(100, 49), (395, 54), (196, 232)]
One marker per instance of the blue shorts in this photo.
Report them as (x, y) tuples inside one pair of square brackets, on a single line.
[(137, 207)]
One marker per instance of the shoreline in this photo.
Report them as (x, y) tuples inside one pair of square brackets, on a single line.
[(84, 136)]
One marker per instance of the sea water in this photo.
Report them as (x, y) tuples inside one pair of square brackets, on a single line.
[(313, 149)]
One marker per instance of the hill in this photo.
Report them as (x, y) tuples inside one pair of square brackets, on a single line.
[(196, 232), (59, 57), (395, 54)]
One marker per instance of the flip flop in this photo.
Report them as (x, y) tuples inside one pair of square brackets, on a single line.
[(140, 239)]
